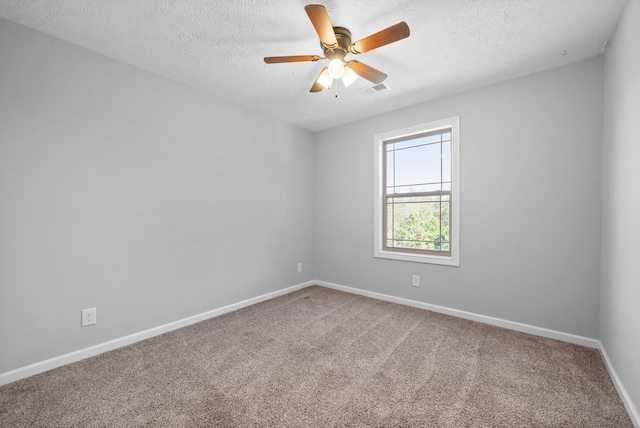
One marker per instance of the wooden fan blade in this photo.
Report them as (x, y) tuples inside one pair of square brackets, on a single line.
[(369, 73), (317, 87), (388, 35), (321, 22), (292, 58)]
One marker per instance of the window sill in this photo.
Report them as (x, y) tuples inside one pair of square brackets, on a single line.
[(418, 258)]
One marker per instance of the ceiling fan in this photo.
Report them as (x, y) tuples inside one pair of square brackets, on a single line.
[(336, 44)]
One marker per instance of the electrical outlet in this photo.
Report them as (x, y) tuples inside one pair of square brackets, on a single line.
[(416, 281), (88, 317), (299, 267)]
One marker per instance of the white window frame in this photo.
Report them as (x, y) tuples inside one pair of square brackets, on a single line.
[(378, 233)]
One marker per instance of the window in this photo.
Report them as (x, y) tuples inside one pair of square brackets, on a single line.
[(417, 182)]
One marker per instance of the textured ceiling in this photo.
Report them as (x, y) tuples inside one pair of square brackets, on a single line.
[(218, 46)]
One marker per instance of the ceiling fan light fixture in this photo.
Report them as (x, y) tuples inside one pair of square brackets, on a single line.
[(324, 79), (349, 76), (336, 44), (336, 68)]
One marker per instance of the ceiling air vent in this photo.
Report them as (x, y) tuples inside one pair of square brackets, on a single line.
[(374, 89)]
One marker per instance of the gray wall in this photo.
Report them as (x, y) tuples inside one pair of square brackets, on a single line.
[(137, 195), (530, 208), (620, 299)]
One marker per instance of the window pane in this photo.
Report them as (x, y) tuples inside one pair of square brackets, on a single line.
[(390, 170), (446, 161), (435, 187), (418, 223), (418, 141), (390, 225), (416, 199), (445, 221), (418, 165)]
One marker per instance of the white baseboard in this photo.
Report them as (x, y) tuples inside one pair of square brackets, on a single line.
[(52, 363), (622, 391), (511, 325)]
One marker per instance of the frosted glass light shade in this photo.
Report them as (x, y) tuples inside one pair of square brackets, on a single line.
[(336, 68), (324, 79), (349, 76)]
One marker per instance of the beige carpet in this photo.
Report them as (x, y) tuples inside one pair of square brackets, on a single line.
[(322, 358)]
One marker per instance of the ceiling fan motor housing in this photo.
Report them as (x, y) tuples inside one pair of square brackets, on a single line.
[(343, 37)]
